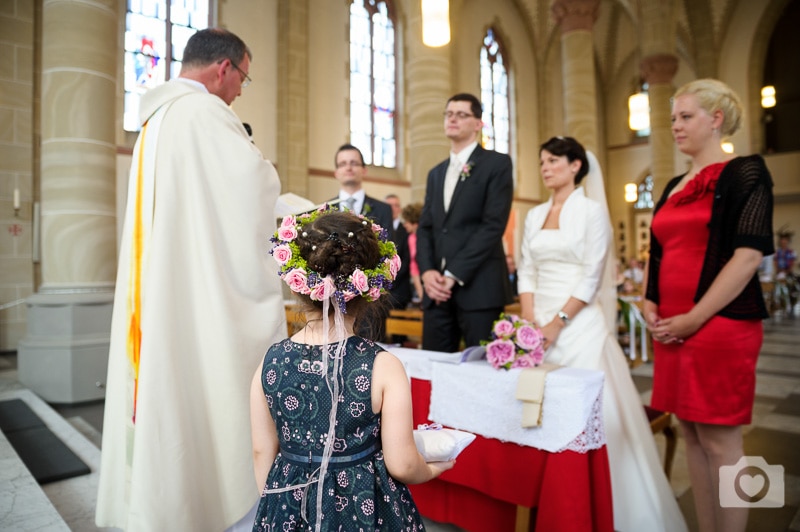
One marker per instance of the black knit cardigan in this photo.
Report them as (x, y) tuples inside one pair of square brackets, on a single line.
[(741, 216)]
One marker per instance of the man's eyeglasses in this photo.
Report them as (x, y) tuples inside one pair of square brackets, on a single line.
[(461, 115), (246, 79), (351, 164)]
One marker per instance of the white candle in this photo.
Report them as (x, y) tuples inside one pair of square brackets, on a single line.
[(16, 199)]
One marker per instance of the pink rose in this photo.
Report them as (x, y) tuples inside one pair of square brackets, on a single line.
[(348, 295), (394, 265), (374, 293), (524, 361), (537, 355), (503, 328), (282, 254), (288, 221), (376, 228), (528, 337), (359, 280), (297, 281), (323, 290), (500, 352), (287, 233)]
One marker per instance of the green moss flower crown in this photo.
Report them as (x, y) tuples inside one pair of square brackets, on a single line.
[(370, 284)]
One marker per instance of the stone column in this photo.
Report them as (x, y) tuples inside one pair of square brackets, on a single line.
[(293, 96), (428, 72), (63, 357), (658, 70), (576, 18)]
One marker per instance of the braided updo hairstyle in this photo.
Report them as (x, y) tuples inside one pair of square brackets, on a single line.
[(329, 249)]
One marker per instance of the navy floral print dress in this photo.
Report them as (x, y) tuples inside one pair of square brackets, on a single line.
[(358, 494)]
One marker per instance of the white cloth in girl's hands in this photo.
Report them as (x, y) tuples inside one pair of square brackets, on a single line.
[(441, 445)]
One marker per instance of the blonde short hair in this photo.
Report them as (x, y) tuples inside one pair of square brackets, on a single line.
[(714, 95)]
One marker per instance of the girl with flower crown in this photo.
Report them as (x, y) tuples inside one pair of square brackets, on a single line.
[(331, 412)]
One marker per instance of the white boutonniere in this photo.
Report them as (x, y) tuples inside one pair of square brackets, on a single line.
[(465, 171)]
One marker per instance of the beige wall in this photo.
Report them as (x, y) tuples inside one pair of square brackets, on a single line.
[(16, 166)]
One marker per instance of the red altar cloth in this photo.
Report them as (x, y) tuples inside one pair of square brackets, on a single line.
[(569, 491)]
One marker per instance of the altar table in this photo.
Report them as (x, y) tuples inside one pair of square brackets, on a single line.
[(502, 486)]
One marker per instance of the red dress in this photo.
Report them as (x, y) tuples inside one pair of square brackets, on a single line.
[(710, 377)]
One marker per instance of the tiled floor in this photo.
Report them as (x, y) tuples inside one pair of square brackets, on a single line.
[(774, 434)]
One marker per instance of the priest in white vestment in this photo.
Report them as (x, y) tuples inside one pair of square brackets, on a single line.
[(198, 301)]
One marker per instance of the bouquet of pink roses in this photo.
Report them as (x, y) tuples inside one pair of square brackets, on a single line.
[(516, 343)]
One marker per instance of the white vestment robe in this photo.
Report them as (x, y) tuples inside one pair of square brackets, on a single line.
[(211, 304)]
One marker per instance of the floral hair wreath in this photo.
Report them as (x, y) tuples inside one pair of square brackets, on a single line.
[(370, 284)]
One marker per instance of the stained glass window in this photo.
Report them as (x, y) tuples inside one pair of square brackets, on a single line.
[(156, 32), (494, 95), (372, 81)]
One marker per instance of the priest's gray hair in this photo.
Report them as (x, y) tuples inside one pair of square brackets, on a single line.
[(213, 45)]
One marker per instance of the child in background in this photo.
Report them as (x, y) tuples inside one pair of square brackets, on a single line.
[(329, 407)]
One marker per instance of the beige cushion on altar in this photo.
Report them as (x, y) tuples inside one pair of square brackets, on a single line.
[(441, 445)]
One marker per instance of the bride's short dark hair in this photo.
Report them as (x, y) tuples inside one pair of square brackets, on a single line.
[(572, 149)]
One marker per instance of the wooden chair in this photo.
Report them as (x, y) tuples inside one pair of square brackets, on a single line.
[(662, 422), (405, 322), (295, 319)]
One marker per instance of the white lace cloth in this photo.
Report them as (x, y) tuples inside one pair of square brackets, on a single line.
[(478, 398)]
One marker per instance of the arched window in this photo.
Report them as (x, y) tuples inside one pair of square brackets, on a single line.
[(644, 198), (494, 94), (373, 81), (156, 32)]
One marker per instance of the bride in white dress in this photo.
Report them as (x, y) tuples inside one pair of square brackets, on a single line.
[(561, 287)]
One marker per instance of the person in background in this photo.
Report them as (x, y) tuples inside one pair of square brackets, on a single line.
[(634, 271), (460, 235), (397, 210), (331, 412), (411, 214), (350, 171), (785, 256), (703, 303), (197, 303), (401, 289), (785, 281), (567, 287)]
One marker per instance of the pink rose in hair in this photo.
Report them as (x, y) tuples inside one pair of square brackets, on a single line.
[(323, 290), (394, 265), (297, 281), (360, 280), (374, 293), (287, 233), (288, 221), (503, 328), (282, 254), (528, 338), (348, 295), (500, 352), (376, 228)]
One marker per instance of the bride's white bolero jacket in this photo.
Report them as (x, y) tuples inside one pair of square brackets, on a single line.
[(585, 226)]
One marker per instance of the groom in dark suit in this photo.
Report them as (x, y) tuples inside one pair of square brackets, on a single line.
[(459, 238)]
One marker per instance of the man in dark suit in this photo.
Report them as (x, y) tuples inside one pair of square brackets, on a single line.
[(459, 239), (350, 171), (401, 289)]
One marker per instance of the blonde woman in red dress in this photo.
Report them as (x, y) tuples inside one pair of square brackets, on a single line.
[(704, 307)]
